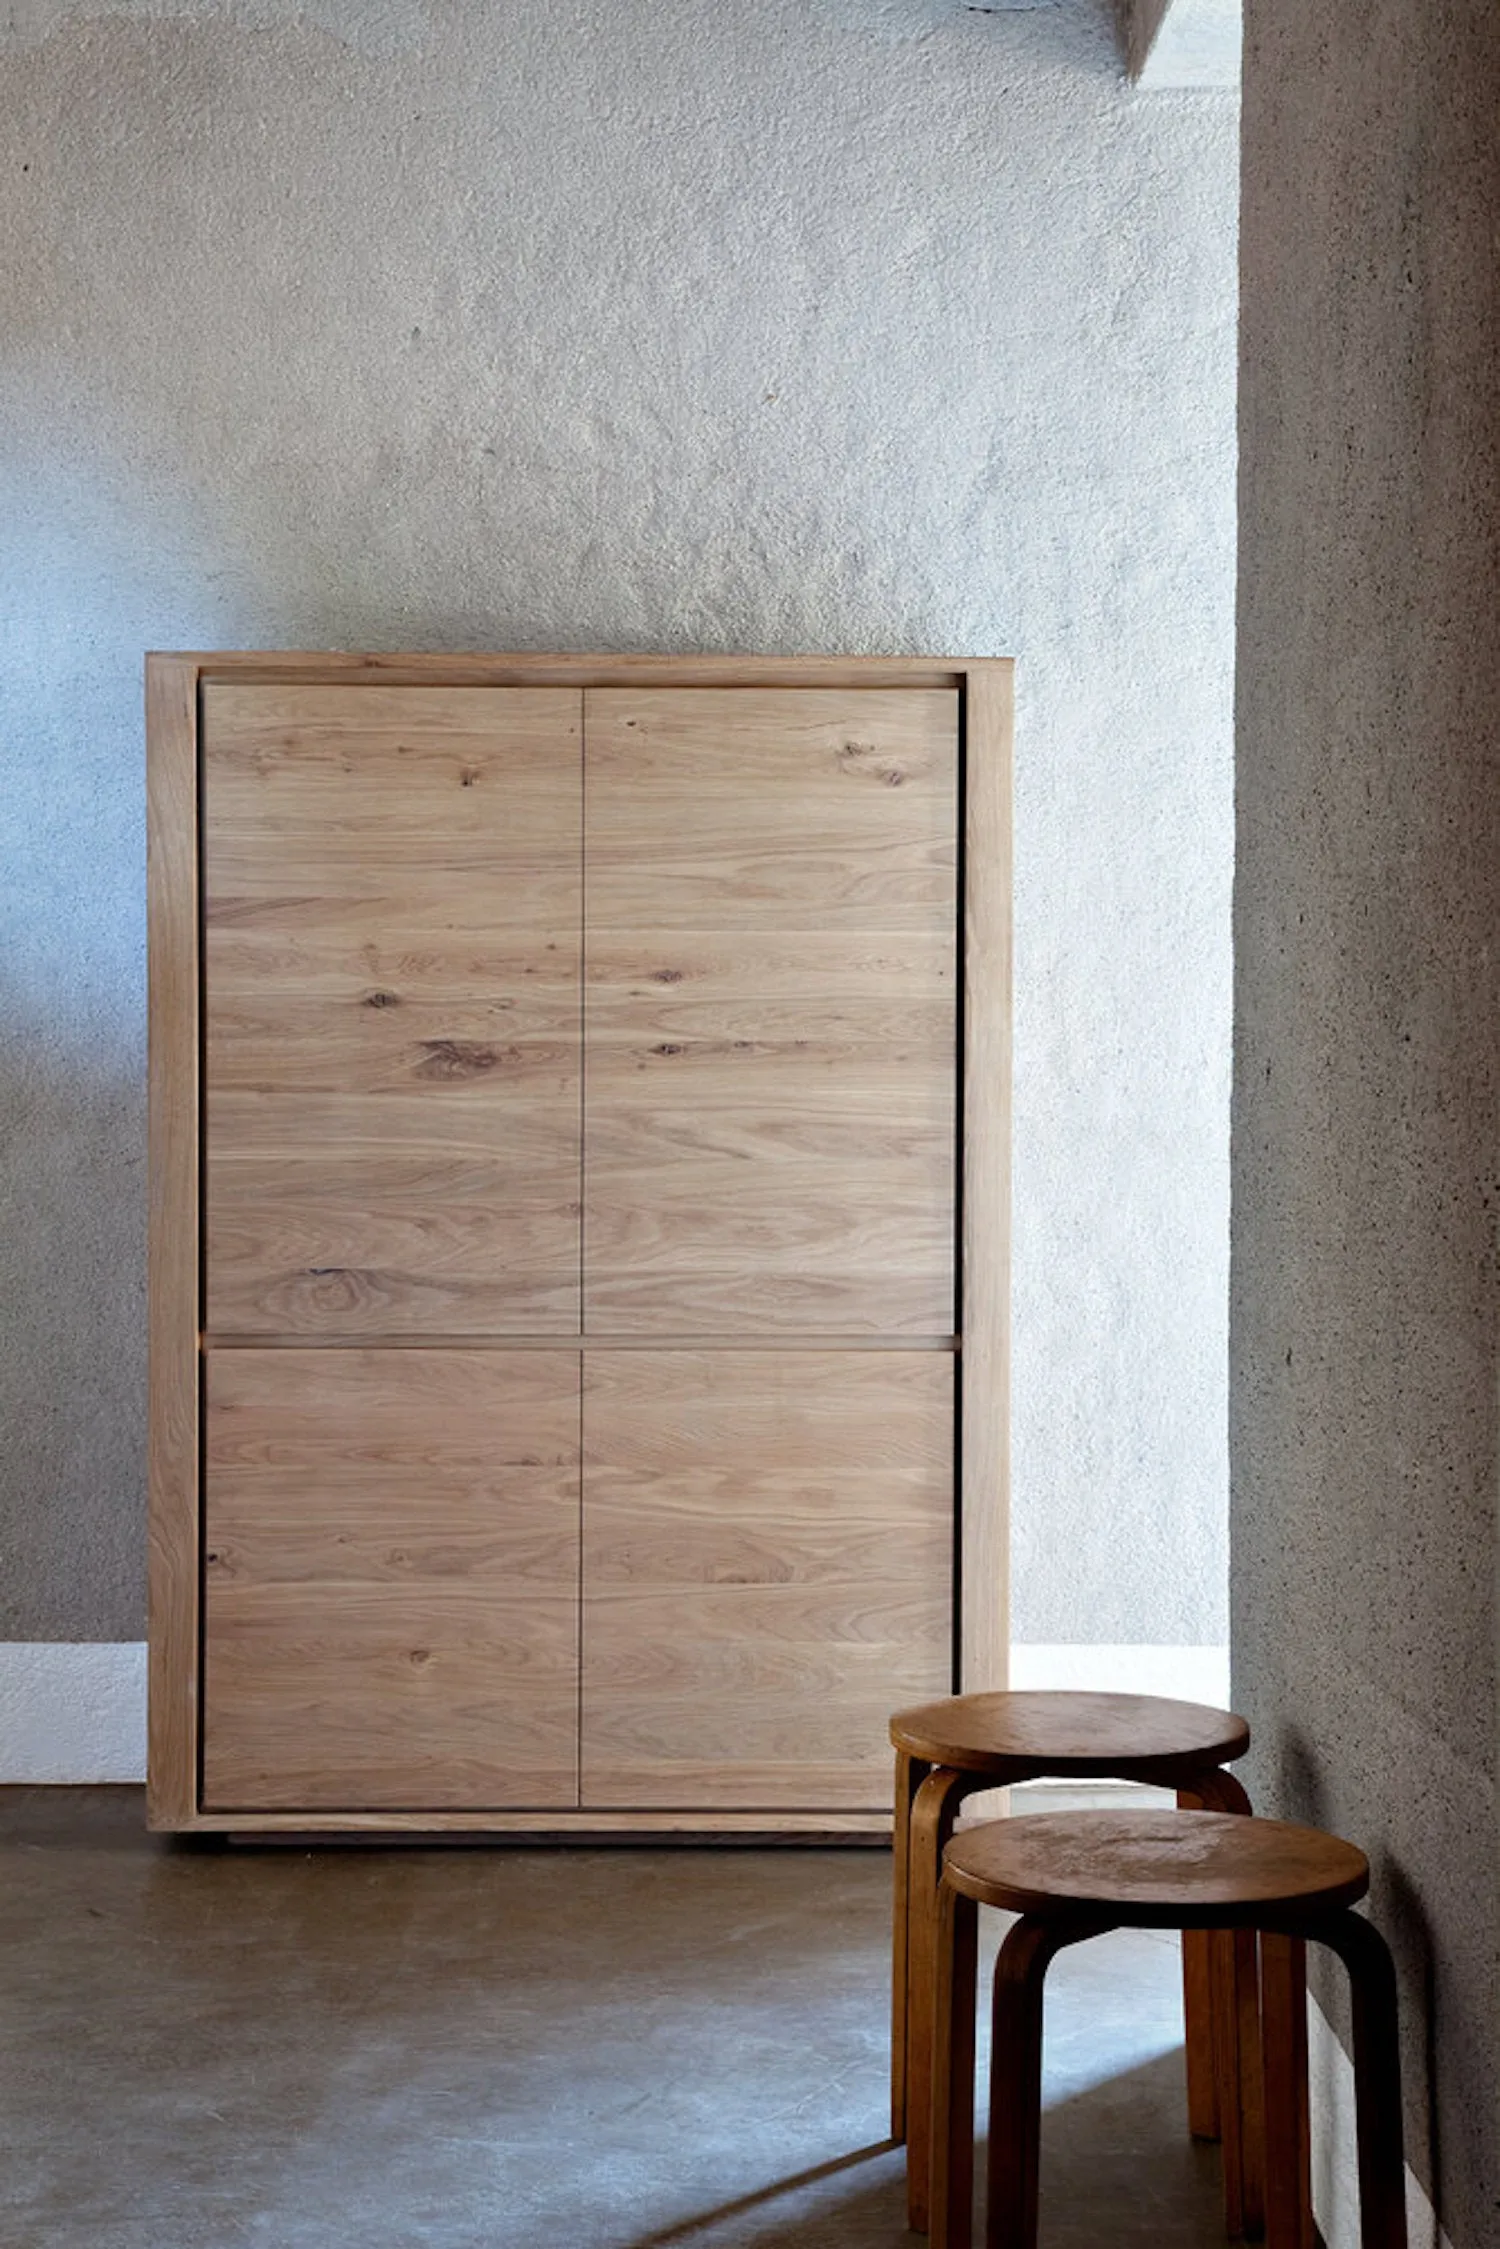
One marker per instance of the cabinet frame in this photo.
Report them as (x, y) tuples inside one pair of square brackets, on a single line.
[(985, 687)]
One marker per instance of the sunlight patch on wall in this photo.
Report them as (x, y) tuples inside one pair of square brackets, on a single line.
[(72, 1712)]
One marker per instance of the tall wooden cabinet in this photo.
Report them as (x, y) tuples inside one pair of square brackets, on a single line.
[(578, 1234)]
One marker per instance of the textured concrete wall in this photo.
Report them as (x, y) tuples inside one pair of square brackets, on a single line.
[(1365, 1313), (828, 324)]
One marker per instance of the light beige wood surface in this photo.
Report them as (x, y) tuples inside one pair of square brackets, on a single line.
[(390, 1034), (767, 1557), (771, 1009), (392, 900), (984, 1529), (392, 1580), (595, 1342), (173, 1238)]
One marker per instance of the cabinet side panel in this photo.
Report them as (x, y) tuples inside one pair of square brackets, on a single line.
[(772, 1011), (173, 1246), (392, 894), (768, 1542), (391, 1575), (985, 1527)]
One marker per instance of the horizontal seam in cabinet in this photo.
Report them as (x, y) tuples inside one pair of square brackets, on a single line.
[(531, 1341)]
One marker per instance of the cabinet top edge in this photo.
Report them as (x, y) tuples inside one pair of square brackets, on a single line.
[(417, 667)]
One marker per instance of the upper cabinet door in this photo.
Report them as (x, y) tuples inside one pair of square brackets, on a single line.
[(392, 914), (771, 1011)]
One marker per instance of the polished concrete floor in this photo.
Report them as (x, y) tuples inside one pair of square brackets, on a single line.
[(484, 2049)]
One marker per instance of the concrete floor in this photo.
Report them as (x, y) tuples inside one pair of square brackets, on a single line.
[(484, 2049)]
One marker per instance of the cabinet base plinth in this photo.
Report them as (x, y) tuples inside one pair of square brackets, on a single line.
[(764, 1828)]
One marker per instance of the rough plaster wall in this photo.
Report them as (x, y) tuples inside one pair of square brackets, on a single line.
[(1365, 1317), (815, 324)]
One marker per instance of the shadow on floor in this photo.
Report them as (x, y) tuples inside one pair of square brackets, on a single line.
[(492, 2049), (1116, 2166)]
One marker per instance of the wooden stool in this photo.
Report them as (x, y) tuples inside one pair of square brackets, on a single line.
[(946, 1751), (1071, 1875)]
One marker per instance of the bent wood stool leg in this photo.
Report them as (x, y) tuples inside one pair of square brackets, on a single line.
[(933, 1813), (951, 2169), (1016, 2076), (1283, 2015), (1377, 2079), (910, 1773)]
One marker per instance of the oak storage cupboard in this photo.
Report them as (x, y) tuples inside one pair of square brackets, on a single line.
[(578, 1235)]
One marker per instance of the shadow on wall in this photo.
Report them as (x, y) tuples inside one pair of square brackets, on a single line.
[(80, 577), (809, 325), (72, 1332), (1076, 32), (596, 358), (1400, 1911)]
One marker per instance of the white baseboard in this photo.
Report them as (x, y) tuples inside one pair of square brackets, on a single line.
[(72, 1712), (1190, 1674), (1335, 2167)]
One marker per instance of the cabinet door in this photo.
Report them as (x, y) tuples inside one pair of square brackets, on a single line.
[(768, 1546), (771, 1012), (391, 1580), (392, 894)]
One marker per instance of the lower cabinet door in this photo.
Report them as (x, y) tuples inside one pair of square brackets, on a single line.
[(767, 1569), (391, 1580)]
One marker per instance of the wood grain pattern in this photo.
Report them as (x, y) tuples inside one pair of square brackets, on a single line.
[(1177, 1870), (767, 1558), (984, 1627), (172, 1443), (391, 928), (771, 1011), (391, 1580), (392, 900), (726, 810), (1071, 1734), (598, 1342)]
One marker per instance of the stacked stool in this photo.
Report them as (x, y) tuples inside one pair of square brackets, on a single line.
[(945, 1751), (1074, 1875)]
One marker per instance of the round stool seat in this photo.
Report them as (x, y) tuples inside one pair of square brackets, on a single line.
[(1070, 1735), (1167, 1869)]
